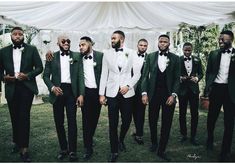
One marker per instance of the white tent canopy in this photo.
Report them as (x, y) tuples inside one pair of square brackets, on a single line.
[(83, 16)]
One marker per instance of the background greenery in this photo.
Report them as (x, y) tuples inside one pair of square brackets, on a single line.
[(44, 143)]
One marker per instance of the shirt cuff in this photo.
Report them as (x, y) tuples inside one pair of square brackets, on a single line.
[(52, 88), (144, 93), (174, 95)]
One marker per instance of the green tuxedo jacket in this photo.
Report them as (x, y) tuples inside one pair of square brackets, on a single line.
[(212, 70), (150, 74), (31, 65), (52, 74), (97, 59), (196, 72)]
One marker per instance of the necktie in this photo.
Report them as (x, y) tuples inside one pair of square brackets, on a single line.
[(141, 55), (88, 57), (17, 46), (66, 53), (187, 58), (120, 49), (226, 51)]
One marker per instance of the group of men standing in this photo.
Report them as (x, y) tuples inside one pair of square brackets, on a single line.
[(124, 80)]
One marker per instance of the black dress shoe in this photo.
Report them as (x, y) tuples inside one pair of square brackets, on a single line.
[(183, 139), (113, 157), (153, 147), (121, 146), (62, 155), (25, 157), (164, 156), (73, 157), (15, 149), (139, 140), (88, 153), (194, 142)]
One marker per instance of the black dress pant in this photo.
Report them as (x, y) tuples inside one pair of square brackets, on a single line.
[(138, 114), (19, 108), (220, 96), (124, 105), (67, 101), (159, 100), (90, 115), (193, 100)]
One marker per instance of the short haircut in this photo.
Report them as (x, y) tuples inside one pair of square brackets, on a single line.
[(86, 38), (120, 33), (228, 32), (188, 44), (17, 28), (142, 40), (164, 35)]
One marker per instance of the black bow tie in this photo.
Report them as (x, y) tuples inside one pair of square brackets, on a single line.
[(88, 57), (120, 49), (141, 55), (17, 46), (187, 58), (66, 53), (226, 51), (163, 53)]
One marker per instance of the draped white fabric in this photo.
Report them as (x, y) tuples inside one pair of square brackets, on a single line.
[(99, 19), (83, 16)]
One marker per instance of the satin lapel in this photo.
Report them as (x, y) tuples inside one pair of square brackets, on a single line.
[(155, 62), (218, 60), (23, 58), (183, 67), (71, 65), (168, 67), (10, 52), (57, 60)]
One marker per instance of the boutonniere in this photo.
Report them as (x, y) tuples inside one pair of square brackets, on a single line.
[(195, 59), (167, 61), (233, 57), (94, 64), (126, 54), (71, 61), (22, 49)]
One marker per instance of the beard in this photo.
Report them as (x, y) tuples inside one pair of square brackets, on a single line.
[(117, 45), (17, 43), (227, 45), (163, 50), (86, 52), (63, 50)]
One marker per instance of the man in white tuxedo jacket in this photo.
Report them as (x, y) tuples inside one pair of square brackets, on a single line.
[(117, 84)]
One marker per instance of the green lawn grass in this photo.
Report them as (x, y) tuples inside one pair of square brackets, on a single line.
[(44, 143)]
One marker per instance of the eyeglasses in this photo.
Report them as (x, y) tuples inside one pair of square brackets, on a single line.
[(65, 40)]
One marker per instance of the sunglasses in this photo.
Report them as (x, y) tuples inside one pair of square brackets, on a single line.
[(67, 40)]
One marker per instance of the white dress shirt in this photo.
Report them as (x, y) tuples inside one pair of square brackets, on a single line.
[(65, 69), (162, 62), (222, 76), (17, 54), (188, 65), (89, 74)]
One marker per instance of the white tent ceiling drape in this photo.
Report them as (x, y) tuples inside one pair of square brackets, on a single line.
[(83, 16)]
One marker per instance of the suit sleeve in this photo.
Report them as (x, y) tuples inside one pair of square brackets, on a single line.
[(200, 71), (104, 76), (208, 72), (1, 67), (81, 85), (47, 74), (176, 78), (145, 75), (136, 73), (38, 67)]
